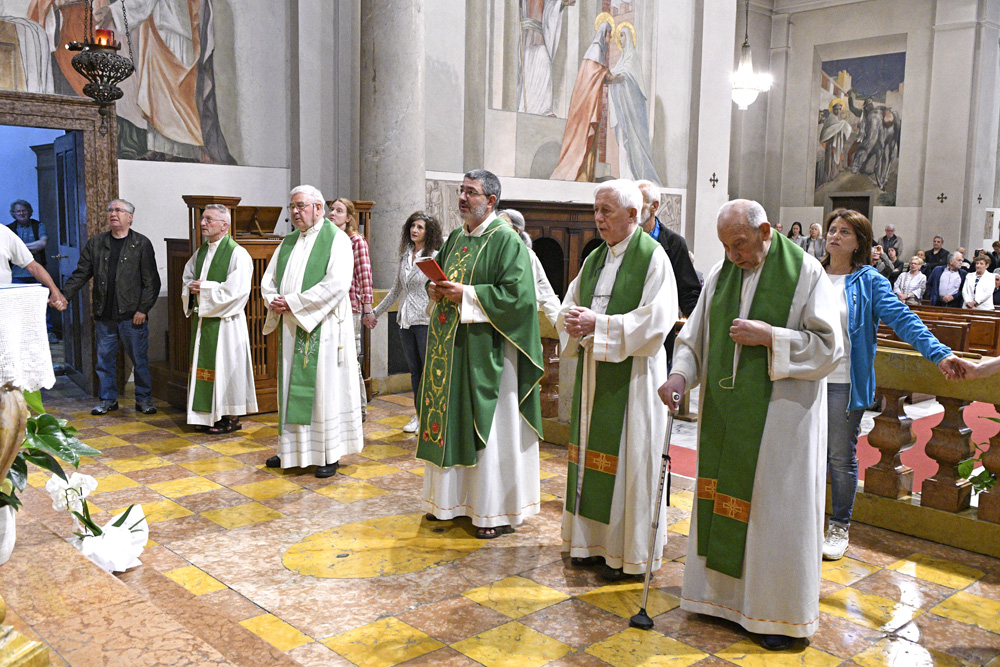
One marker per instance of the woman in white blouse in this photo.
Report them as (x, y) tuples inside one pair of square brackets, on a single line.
[(421, 238), (910, 286), (977, 292), (815, 244)]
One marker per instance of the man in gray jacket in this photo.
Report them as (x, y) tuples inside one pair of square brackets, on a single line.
[(126, 285)]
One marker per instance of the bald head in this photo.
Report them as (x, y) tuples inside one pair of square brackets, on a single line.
[(743, 229)]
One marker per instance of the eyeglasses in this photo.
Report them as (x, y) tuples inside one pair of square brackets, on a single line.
[(469, 192), (116, 209), (301, 205), (208, 219)]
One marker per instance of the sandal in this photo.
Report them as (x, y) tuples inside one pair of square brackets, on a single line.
[(492, 533), (225, 425)]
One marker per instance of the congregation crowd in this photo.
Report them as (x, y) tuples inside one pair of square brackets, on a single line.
[(780, 337)]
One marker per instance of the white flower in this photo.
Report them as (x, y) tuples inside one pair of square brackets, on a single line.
[(117, 549), (69, 495)]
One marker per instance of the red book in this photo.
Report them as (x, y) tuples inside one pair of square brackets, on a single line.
[(431, 269)]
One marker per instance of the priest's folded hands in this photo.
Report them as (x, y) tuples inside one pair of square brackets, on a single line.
[(750, 332)]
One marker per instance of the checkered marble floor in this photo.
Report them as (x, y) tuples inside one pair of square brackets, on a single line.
[(252, 566)]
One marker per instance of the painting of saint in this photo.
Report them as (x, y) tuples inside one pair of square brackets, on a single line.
[(31, 70), (541, 26), (630, 121), (833, 135)]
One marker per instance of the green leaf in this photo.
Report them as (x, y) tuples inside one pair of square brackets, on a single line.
[(45, 461), (87, 521), (965, 468), (19, 472), (10, 499), (47, 424), (34, 401), (54, 445), (121, 520)]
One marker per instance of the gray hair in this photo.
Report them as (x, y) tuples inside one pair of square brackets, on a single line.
[(491, 184), (626, 193), (517, 222), (223, 209), (21, 202), (890, 228), (752, 212), (649, 191), (127, 204), (951, 256), (313, 195)]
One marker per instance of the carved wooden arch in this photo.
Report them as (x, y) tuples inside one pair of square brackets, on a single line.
[(61, 112)]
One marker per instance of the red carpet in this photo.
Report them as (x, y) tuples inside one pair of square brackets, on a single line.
[(685, 461)]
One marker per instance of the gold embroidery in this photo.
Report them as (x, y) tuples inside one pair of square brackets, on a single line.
[(706, 488), (204, 375), (574, 454), (734, 508)]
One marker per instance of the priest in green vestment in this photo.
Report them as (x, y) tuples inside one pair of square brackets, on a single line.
[(215, 289), (480, 417), (766, 332), (306, 287), (617, 313)]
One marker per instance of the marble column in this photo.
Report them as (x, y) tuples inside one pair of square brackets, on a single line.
[(392, 123)]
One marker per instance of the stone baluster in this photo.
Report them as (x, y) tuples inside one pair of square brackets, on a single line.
[(550, 380), (950, 444), (989, 501), (891, 435)]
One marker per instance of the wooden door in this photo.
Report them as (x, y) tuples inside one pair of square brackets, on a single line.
[(71, 212)]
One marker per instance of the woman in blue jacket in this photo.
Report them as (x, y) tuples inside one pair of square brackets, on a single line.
[(866, 298)]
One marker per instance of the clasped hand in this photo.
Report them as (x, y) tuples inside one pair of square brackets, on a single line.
[(445, 290), (750, 332), (279, 305), (580, 322)]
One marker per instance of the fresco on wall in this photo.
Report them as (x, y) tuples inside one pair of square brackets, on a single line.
[(577, 72), (858, 127), (169, 110)]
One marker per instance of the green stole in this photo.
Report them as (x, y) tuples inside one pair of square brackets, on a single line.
[(302, 381), (204, 371), (611, 384), (734, 412), (462, 367)]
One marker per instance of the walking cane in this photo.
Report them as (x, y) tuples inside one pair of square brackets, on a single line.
[(642, 619)]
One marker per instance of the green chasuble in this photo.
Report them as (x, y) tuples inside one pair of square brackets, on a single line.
[(204, 370), (302, 380), (610, 386), (734, 413), (462, 367)]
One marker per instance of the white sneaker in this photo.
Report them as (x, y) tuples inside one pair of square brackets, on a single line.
[(412, 425), (835, 543)]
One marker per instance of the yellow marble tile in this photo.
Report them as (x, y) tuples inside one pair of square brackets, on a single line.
[(384, 643), (234, 447), (39, 479), (637, 647), (380, 546), (167, 446), (134, 463), (106, 442), (127, 427), (846, 571), (275, 632), (87, 460), (893, 651), (384, 434), (271, 488), (208, 466), (938, 571), (545, 455), (512, 645), (871, 611), (368, 470), (622, 599), (381, 451), (242, 515), (546, 496), (515, 596), (397, 436), (110, 483), (682, 500), (397, 421), (972, 609), (194, 580), (682, 527), (748, 653), (418, 471), (161, 510), (545, 474), (186, 486), (259, 431), (279, 472), (351, 491)]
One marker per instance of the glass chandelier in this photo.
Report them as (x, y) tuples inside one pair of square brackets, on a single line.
[(747, 85)]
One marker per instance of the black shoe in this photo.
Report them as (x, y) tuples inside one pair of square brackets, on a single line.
[(589, 561), (146, 408), (609, 573), (104, 407), (328, 470), (273, 462), (776, 642)]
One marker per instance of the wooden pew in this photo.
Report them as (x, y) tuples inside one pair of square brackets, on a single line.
[(984, 325)]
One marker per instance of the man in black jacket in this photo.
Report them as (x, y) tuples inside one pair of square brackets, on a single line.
[(126, 285), (688, 285)]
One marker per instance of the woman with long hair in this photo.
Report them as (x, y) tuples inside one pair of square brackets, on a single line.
[(866, 298), (421, 238), (343, 215), (795, 233)]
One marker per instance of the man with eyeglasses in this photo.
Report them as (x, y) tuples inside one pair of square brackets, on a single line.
[(126, 285), (306, 287), (215, 289), (765, 333), (480, 416)]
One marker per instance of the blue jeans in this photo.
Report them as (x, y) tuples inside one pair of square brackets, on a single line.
[(842, 430), (135, 339), (414, 342)]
